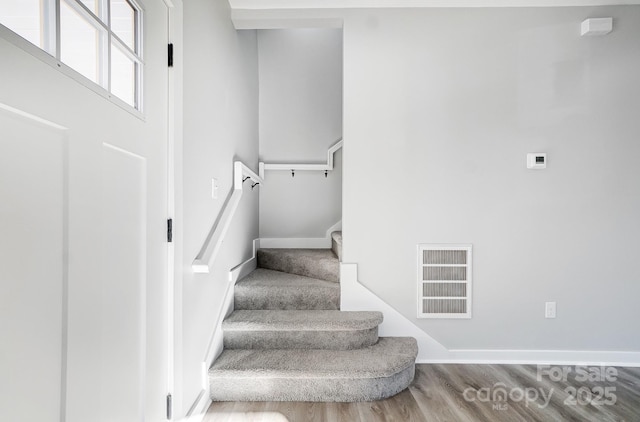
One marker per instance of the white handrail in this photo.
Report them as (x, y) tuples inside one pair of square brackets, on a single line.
[(213, 242), (303, 167)]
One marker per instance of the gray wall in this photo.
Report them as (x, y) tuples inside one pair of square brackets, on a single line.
[(220, 126), (440, 108), (300, 118)]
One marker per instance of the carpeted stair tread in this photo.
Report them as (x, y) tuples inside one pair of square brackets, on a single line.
[(336, 244), (316, 263), (385, 358), (313, 329), (267, 289), (370, 373), (287, 341), (312, 320)]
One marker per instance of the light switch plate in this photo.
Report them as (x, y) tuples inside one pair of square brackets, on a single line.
[(550, 310)]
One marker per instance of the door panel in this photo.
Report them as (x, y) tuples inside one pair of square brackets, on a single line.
[(124, 286), (32, 274)]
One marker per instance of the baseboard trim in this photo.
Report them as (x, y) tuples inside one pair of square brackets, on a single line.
[(540, 357), (199, 408), (243, 269), (355, 297), (301, 242), (295, 242)]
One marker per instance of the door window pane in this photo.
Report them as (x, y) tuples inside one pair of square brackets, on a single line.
[(24, 18), (79, 43), (123, 76), (123, 18), (97, 7), (85, 30), (92, 5)]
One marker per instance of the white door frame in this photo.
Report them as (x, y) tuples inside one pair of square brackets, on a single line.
[(174, 212)]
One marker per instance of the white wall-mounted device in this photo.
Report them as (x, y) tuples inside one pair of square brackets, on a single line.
[(596, 26), (550, 310), (536, 160)]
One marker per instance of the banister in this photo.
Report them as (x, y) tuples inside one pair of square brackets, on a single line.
[(204, 260), (303, 167)]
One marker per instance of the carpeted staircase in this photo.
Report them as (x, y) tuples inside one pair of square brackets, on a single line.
[(287, 340)]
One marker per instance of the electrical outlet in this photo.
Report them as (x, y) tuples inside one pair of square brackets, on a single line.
[(214, 188), (550, 310)]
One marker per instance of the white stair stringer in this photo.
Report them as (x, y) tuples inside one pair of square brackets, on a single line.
[(356, 297)]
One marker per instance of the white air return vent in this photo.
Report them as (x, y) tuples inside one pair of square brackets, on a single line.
[(444, 281)]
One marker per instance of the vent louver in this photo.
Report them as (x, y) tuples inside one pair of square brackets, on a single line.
[(444, 281)]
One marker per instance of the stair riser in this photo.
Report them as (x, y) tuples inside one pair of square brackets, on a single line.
[(328, 340), (309, 389), (252, 298), (337, 249), (323, 269)]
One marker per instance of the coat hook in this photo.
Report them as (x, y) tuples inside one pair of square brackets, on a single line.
[(254, 185), (326, 173), (293, 173), (245, 179)]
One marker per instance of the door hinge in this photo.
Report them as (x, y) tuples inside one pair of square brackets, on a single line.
[(170, 54), (169, 407), (170, 230)]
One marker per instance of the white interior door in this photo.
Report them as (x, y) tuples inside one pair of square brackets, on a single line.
[(83, 252)]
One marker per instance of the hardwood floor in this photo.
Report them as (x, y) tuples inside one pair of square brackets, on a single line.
[(472, 393)]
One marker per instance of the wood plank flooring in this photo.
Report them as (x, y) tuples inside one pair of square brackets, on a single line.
[(471, 393)]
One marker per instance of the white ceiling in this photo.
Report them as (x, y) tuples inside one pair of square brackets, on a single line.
[(271, 14), (349, 4)]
